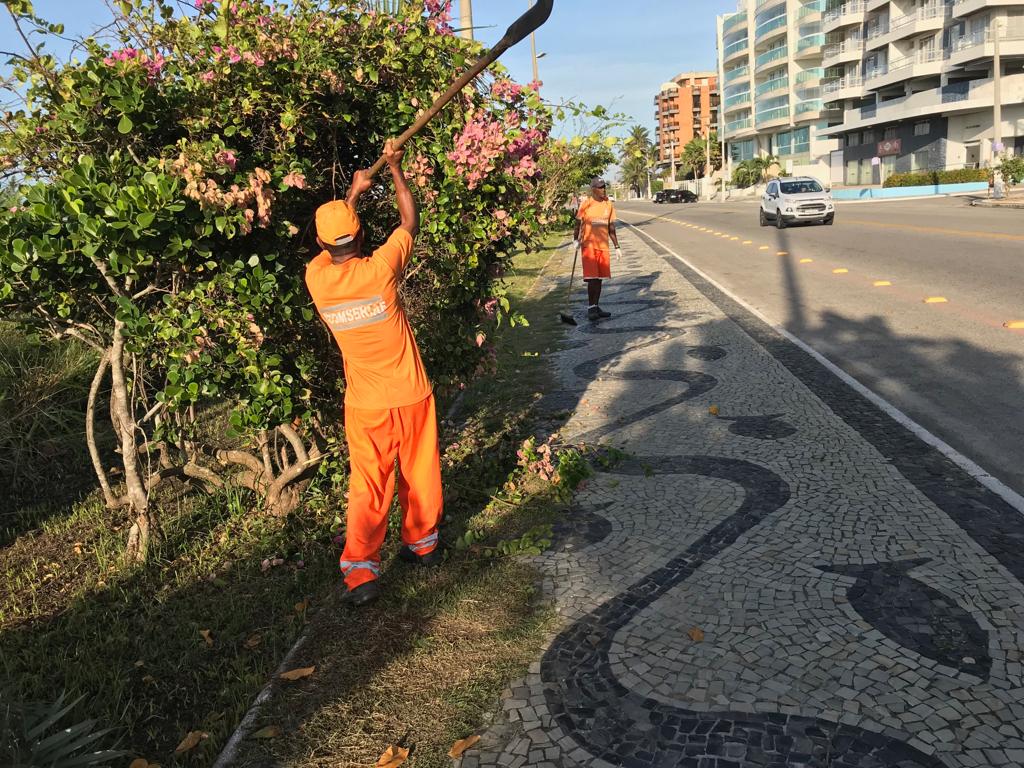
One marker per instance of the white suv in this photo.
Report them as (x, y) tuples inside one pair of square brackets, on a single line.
[(795, 199)]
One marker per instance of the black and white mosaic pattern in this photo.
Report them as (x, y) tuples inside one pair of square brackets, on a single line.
[(794, 581)]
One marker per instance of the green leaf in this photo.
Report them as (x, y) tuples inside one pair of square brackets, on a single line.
[(145, 219), (125, 125), (253, 260)]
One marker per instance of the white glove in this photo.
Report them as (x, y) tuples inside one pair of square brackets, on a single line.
[(575, 245), (618, 253)]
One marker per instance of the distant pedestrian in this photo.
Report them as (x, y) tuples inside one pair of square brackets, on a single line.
[(595, 226), (389, 401)]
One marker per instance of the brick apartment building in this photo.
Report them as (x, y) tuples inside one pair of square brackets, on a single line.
[(686, 107)]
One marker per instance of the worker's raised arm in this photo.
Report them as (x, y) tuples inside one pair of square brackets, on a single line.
[(403, 195)]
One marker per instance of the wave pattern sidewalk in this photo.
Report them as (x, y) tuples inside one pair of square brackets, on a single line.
[(795, 581)]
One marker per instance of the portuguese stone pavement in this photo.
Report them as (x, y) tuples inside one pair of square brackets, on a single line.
[(772, 572)]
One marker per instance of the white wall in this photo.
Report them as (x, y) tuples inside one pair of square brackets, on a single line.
[(977, 126)]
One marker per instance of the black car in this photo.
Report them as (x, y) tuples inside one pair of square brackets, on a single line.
[(659, 197), (680, 196)]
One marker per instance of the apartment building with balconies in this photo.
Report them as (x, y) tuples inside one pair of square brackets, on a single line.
[(685, 107), (915, 81), (770, 66)]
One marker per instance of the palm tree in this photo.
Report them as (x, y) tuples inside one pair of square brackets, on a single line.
[(636, 159)]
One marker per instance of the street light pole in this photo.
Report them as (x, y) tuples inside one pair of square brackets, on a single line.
[(466, 19)]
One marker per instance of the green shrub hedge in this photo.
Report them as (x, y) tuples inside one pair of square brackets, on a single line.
[(928, 178)]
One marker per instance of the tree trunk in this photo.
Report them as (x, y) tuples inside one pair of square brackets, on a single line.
[(145, 529), (112, 501)]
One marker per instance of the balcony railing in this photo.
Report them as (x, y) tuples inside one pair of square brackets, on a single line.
[(734, 48), (772, 85), (848, 9), (770, 25), (807, 9), (739, 125), (734, 21), (769, 115), (850, 81), (769, 56), (734, 74), (921, 57), (812, 105), (739, 98), (811, 41), (835, 49), (810, 75)]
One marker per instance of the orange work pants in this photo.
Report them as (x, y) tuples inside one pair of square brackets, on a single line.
[(375, 439)]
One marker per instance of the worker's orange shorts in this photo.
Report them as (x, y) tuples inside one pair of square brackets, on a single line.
[(376, 438), (597, 264)]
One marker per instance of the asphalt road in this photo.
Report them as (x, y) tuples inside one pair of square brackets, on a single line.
[(866, 293)]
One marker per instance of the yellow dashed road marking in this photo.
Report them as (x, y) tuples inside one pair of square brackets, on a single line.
[(747, 242), (840, 271), (806, 261), (1015, 325), (936, 300), (937, 230), (764, 248), (882, 283), (782, 253)]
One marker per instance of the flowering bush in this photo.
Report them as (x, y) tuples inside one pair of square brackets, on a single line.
[(165, 217)]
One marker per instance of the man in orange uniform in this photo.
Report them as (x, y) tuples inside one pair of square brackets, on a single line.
[(595, 224), (389, 401)]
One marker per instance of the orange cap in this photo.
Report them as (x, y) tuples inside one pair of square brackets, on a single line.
[(337, 223)]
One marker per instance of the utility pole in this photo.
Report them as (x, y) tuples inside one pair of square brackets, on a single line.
[(466, 19), (672, 157), (533, 52), (997, 97), (707, 156)]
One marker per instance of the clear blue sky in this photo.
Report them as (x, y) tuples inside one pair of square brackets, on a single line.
[(600, 52)]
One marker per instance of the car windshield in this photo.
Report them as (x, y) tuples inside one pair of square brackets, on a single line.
[(800, 187)]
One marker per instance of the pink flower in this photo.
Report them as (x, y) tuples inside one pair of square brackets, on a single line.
[(226, 157), (501, 214), (207, 77), (202, 4), (480, 339), (295, 179)]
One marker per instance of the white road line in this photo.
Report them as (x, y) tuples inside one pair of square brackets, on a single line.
[(995, 485)]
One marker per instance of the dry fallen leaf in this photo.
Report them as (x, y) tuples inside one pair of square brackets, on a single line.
[(462, 745), (191, 741), (254, 641), (697, 635), (393, 757), (149, 679), (713, 410), (298, 674), (139, 762), (207, 636), (302, 607), (267, 732)]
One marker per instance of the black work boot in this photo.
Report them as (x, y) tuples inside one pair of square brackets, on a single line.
[(430, 560), (362, 595)]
